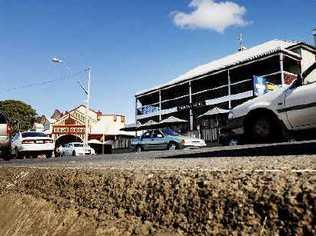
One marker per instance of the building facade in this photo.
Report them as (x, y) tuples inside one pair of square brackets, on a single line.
[(71, 126), (224, 83)]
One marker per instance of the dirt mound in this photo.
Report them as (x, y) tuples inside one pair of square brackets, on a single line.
[(160, 202)]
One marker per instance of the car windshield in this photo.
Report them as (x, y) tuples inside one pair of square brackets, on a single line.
[(170, 132), (33, 134), (3, 119), (78, 145)]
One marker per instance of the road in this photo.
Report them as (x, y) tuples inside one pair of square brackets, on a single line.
[(284, 156)]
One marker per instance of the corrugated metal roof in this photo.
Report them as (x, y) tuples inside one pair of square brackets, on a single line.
[(253, 53)]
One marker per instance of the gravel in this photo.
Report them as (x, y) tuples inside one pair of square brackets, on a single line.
[(156, 193)]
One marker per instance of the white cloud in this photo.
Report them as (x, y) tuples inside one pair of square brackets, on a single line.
[(212, 15)]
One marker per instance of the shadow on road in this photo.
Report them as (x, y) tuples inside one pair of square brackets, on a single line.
[(301, 148)]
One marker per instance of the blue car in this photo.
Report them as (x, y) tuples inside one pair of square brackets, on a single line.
[(165, 139)]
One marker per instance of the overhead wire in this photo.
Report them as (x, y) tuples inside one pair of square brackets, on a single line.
[(41, 83)]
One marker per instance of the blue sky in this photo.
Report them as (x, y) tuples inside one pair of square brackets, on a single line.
[(130, 45)]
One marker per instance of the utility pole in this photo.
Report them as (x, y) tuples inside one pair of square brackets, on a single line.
[(87, 91)]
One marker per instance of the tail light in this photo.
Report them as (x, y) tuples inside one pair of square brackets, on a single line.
[(9, 129), (48, 141), (28, 142)]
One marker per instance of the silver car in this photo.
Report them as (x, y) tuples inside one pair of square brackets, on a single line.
[(165, 139)]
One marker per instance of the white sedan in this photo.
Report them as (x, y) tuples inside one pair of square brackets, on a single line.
[(77, 149), (24, 144)]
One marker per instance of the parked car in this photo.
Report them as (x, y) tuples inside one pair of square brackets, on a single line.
[(5, 133), (76, 149), (273, 115), (165, 139), (30, 143)]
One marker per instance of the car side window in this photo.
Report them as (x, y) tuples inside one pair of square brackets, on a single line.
[(157, 134), (310, 78), (147, 135)]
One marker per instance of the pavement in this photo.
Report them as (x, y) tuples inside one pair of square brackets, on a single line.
[(264, 157)]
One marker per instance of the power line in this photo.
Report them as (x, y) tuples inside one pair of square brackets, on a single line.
[(43, 82)]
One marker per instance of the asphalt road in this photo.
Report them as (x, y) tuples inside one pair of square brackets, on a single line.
[(272, 157)]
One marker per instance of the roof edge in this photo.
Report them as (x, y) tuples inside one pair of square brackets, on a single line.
[(153, 90)]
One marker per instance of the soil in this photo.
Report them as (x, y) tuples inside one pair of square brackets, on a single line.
[(140, 201)]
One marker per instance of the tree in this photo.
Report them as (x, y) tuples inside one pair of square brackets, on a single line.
[(20, 114)]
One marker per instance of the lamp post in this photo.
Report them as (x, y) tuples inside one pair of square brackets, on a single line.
[(86, 91)]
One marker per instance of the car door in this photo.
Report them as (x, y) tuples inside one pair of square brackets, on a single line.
[(158, 140), (300, 106), (146, 141)]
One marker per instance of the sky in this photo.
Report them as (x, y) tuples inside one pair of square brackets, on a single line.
[(129, 45)]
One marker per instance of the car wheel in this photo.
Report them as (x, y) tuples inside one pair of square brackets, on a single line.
[(139, 148), (263, 129), (73, 153), (49, 154), (172, 146), (17, 154), (6, 154)]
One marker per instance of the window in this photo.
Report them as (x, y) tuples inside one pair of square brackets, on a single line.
[(157, 134), (33, 134), (3, 119), (147, 135), (311, 77), (170, 132), (78, 145)]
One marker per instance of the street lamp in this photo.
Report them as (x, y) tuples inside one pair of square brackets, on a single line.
[(86, 91)]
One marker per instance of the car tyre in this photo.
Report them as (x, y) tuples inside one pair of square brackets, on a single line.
[(49, 154), (6, 154), (263, 129), (17, 154), (172, 146), (139, 148)]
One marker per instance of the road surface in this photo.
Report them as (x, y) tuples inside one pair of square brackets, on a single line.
[(284, 156)]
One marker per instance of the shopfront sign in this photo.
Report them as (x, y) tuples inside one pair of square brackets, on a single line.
[(191, 106), (69, 129)]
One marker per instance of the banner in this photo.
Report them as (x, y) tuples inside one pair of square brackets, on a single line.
[(259, 86), (149, 109)]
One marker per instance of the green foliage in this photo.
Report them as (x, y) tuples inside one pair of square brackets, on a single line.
[(20, 114)]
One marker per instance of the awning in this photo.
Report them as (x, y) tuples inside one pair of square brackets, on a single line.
[(94, 141), (149, 125), (172, 120), (132, 127), (213, 112)]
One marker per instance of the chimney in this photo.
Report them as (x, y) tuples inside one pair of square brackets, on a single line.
[(314, 34)]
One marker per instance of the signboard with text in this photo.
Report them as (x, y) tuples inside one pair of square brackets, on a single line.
[(69, 130)]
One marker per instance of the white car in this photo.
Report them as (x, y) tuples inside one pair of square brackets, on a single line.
[(24, 144), (76, 149), (270, 116)]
